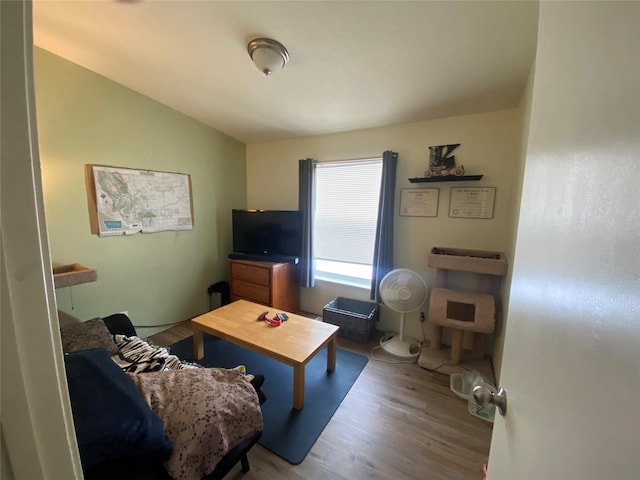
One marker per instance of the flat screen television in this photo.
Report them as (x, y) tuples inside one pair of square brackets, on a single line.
[(267, 234)]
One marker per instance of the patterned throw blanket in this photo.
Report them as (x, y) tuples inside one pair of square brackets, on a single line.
[(138, 356), (206, 411)]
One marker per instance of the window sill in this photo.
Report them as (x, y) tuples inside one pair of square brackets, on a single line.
[(342, 280)]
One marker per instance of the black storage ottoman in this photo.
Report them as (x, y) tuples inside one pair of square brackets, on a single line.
[(356, 319)]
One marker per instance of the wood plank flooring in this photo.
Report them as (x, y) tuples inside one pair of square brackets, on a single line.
[(399, 421)]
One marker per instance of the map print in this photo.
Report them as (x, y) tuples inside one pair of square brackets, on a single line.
[(132, 201)]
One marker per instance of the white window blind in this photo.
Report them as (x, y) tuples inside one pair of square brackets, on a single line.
[(347, 195)]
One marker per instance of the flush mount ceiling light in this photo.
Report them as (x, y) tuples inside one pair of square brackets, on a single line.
[(268, 55)]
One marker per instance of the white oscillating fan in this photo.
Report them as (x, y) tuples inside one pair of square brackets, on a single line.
[(404, 291)]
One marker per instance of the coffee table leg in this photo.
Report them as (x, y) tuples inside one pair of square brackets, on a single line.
[(298, 387), (331, 353), (198, 344)]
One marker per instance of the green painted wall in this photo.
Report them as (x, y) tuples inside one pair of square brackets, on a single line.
[(160, 278)]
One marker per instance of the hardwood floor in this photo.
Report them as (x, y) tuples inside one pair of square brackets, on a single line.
[(399, 421)]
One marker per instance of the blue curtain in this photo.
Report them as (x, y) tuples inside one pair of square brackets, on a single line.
[(306, 204), (383, 249)]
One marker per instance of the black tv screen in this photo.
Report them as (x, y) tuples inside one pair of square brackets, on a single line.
[(267, 232)]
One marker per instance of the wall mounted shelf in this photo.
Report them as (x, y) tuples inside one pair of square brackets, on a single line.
[(449, 178), (73, 274)]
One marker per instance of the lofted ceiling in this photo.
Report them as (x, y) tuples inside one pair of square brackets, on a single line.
[(353, 65)]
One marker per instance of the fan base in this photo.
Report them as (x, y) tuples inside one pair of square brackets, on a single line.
[(406, 348)]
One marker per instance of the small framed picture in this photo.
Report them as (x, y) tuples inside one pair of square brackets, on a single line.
[(419, 202), (472, 202)]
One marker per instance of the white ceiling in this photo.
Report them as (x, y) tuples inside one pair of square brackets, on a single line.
[(354, 64)]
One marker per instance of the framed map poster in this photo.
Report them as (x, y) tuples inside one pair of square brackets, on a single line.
[(125, 201), (472, 202), (419, 202)]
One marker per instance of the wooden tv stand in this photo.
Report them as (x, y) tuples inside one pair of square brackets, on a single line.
[(272, 284)]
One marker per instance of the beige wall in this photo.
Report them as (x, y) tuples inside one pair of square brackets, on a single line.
[(158, 278), (490, 145)]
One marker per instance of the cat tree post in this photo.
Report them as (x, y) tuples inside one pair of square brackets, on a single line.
[(457, 338)]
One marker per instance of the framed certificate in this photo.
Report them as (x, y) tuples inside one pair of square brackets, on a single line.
[(472, 202), (419, 202)]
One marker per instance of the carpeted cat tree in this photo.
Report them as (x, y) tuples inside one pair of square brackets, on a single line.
[(462, 311)]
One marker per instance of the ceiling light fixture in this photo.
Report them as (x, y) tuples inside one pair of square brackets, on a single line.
[(268, 55)]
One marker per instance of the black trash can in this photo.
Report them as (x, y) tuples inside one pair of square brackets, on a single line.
[(221, 288)]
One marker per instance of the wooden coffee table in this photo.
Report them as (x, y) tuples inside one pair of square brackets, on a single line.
[(295, 342)]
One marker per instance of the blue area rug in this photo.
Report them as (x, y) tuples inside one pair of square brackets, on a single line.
[(288, 433)]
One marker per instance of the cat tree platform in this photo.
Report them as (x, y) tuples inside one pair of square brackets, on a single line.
[(473, 261), (73, 274)]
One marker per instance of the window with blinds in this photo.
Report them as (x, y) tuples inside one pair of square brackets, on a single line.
[(347, 195)]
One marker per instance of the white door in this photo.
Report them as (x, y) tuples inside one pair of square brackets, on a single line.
[(571, 363), (38, 438)]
